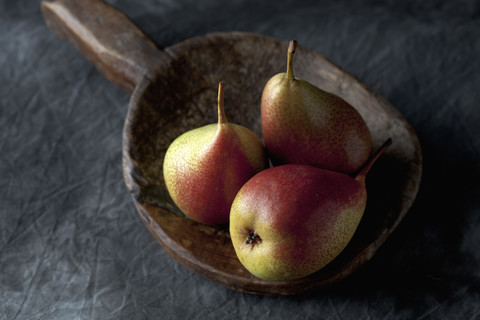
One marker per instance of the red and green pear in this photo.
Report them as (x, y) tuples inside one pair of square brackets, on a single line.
[(290, 221), (204, 168), (303, 124)]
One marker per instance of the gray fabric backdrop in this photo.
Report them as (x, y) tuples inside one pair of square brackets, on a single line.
[(72, 245)]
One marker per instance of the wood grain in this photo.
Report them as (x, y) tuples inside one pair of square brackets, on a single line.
[(106, 37), (176, 91)]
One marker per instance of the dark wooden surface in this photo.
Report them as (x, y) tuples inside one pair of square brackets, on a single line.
[(178, 93)]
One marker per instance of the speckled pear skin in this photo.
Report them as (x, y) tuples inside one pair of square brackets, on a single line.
[(204, 168), (290, 221), (303, 124)]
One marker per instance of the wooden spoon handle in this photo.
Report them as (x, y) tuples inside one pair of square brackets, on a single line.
[(106, 37)]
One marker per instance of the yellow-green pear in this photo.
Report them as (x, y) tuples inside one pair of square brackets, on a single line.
[(204, 168), (303, 124), (290, 221)]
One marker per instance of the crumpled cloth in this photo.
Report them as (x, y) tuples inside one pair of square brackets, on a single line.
[(72, 245)]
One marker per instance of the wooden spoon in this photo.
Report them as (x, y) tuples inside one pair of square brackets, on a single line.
[(174, 90)]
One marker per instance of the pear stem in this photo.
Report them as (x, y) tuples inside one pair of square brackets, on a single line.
[(222, 118), (360, 176), (291, 51)]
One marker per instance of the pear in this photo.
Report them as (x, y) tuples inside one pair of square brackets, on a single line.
[(303, 124), (204, 168), (290, 221)]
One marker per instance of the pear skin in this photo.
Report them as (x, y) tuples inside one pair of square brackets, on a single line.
[(204, 168), (303, 124), (290, 221)]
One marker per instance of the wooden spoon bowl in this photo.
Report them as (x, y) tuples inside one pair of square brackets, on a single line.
[(176, 90)]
